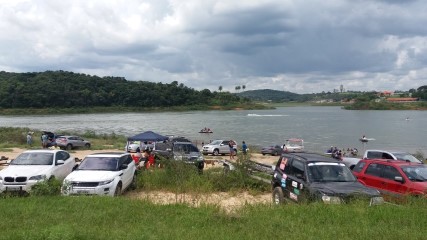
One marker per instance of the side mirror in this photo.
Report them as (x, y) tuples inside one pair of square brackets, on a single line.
[(123, 166), (60, 162), (398, 179)]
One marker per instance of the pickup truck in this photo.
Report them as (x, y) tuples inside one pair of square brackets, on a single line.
[(381, 154)]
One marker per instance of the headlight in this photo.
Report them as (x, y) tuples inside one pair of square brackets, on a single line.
[(376, 201), (105, 182), (37, 177), (331, 199)]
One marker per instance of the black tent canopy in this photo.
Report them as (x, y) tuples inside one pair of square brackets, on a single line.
[(148, 136)]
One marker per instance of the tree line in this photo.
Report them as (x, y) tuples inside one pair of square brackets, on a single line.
[(64, 89)]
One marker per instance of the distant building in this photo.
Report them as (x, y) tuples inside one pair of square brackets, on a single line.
[(402, 100)]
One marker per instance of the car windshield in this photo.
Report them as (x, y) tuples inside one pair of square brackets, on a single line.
[(416, 173), (99, 163), (329, 172), (33, 158), (406, 157)]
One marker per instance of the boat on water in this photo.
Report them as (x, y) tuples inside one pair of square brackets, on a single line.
[(206, 130), (293, 145)]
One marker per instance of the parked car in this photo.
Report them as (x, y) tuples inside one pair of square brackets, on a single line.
[(393, 178), (273, 150), (132, 146), (102, 174), (381, 154), (181, 151), (217, 147), (33, 166), (51, 138), (70, 142), (293, 145), (305, 177)]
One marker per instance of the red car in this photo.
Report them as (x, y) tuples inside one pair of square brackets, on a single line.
[(393, 178)]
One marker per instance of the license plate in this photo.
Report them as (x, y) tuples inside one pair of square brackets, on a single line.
[(82, 191), (13, 188)]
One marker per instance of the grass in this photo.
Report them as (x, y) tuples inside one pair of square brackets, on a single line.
[(123, 218), (11, 137)]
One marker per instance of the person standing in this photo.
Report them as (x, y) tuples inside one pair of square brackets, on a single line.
[(244, 149), (29, 139), (231, 148), (44, 140)]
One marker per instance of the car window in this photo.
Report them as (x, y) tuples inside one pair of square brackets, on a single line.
[(359, 166), (193, 148), (386, 156), (329, 172), (99, 163), (60, 156), (374, 169), (33, 158), (406, 157), (390, 172), (417, 173), (128, 159), (372, 154), (297, 167)]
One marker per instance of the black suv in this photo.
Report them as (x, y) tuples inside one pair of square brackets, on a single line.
[(305, 177), (180, 151)]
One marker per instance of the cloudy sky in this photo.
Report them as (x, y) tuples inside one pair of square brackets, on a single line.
[(291, 45)]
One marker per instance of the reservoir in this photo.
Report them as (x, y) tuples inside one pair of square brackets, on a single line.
[(320, 127)]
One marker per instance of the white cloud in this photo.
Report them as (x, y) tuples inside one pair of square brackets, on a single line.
[(297, 46)]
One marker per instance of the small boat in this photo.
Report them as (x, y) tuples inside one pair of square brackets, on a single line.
[(365, 140), (293, 145), (206, 130)]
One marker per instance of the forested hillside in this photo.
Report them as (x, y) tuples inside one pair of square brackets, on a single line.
[(66, 90), (271, 95)]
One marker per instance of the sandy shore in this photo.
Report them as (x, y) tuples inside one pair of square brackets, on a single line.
[(80, 154)]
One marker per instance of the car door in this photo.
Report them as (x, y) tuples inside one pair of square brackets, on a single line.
[(296, 181), (372, 176), (61, 170), (392, 186), (224, 148), (127, 173)]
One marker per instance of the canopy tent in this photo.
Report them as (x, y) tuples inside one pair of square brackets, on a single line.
[(148, 136)]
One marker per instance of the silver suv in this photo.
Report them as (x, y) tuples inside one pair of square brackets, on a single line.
[(70, 142), (217, 147)]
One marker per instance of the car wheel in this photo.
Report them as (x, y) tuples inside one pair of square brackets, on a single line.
[(133, 184), (118, 190), (278, 197), (216, 152), (69, 147), (87, 145)]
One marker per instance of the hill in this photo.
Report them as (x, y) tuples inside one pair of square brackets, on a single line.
[(61, 89), (270, 95)]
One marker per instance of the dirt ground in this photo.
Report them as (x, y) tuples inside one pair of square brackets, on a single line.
[(228, 202)]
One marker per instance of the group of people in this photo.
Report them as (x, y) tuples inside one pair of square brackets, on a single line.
[(146, 159), (339, 154), (233, 148)]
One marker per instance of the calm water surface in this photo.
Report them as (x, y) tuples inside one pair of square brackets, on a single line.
[(320, 127)]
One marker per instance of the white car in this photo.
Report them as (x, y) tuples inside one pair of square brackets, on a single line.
[(33, 166), (105, 174), (217, 147)]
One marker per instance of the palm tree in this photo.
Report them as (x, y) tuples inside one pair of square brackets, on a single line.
[(243, 87), (220, 88)]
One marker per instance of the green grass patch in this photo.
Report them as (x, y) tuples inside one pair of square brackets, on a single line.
[(123, 218)]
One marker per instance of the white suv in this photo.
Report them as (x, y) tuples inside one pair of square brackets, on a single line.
[(101, 174), (216, 147), (33, 166)]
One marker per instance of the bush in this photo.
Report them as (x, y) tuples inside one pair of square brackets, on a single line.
[(47, 187)]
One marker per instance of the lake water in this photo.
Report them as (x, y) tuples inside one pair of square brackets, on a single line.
[(320, 127)]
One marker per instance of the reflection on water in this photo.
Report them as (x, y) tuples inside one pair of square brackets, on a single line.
[(320, 127)]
